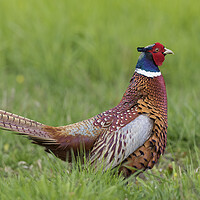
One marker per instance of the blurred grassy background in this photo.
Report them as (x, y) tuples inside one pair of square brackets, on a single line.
[(64, 61)]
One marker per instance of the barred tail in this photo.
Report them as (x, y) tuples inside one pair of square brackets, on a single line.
[(22, 125), (58, 140)]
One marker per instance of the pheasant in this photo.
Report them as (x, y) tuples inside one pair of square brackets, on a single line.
[(132, 135)]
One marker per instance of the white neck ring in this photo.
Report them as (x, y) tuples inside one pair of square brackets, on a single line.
[(147, 73)]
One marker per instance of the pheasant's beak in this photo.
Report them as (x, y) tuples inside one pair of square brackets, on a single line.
[(168, 51)]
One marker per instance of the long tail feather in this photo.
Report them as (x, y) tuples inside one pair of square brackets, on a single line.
[(59, 140), (22, 125)]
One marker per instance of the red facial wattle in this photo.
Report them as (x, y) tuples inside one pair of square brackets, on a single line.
[(157, 53), (158, 58)]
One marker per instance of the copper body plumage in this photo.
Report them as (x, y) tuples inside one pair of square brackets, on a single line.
[(131, 135)]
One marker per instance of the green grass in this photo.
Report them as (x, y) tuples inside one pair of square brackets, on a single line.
[(65, 61)]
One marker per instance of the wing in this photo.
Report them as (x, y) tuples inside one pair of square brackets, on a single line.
[(78, 136), (112, 148)]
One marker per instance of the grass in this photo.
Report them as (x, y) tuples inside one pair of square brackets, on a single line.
[(62, 62)]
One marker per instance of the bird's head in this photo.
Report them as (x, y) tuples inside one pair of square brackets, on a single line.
[(156, 52), (151, 57)]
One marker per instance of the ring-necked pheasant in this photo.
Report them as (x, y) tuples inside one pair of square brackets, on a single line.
[(133, 134)]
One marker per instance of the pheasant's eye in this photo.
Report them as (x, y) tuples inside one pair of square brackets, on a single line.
[(156, 49)]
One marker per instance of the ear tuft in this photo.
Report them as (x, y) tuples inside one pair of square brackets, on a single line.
[(140, 49)]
